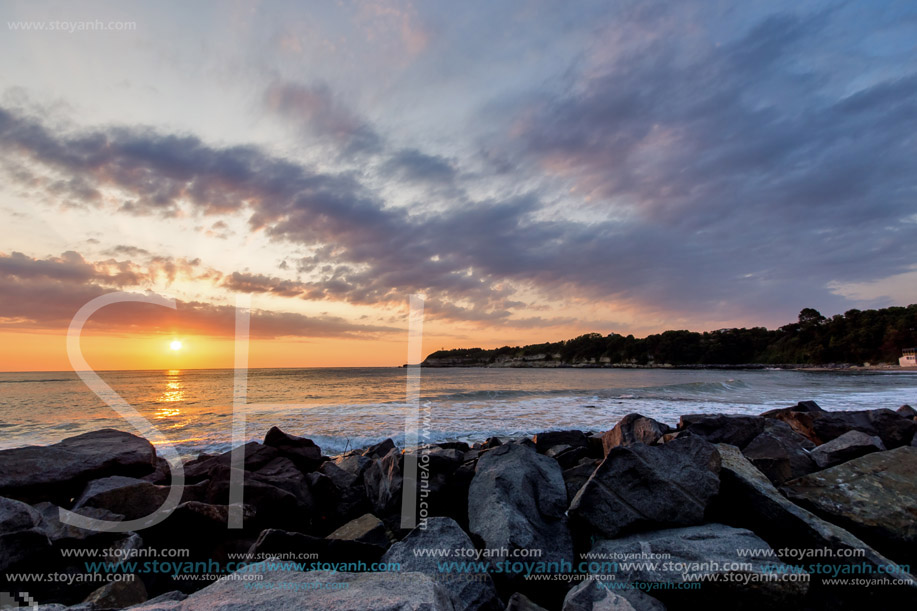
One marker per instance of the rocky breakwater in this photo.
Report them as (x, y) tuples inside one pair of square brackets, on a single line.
[(796, 507)]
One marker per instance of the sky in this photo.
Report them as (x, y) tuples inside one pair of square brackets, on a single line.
[(535, 170)]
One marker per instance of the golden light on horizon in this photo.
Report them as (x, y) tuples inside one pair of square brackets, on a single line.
[(175, 345)]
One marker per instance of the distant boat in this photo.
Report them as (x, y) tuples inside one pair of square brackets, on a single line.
[(908, 357)]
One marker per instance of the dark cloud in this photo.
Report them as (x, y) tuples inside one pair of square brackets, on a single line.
[(419, 167)]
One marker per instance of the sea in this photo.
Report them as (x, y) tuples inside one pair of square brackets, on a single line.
[(346, 408)]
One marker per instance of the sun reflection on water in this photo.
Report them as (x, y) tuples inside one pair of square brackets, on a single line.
[(174, 393)]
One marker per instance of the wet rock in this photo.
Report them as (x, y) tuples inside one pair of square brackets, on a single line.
[(748, 499), (304, 453), (566, 456), (577, 476), (821, 427), (595, 595), (546, 440), (517, 500), (325, 590), (780, 452), (379, 450), (906, 411), (737, 430), (58, 472), (118, 595), (709, 549), (642, 486), (631, 429), (874, 497), (365, 529), (848, 446), (469, 591)]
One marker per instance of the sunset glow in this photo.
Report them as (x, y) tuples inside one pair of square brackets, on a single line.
[(175, 345)]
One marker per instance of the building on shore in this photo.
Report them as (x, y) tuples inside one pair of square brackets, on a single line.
[(908, 357)]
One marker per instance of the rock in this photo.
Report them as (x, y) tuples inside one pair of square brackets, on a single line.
[(492, 442), (349, 496), (807, 407), (576, 477), (318, 591), (118, 595), (281, 542), (594, 595), (303, 452), (365, 529), (57, 531), (23, 547), (821, 427), (274, 506), (519, 602), (255, 456), (566, 456), (643, 486), (631, 429), (384, 482), (469, 591), (595, 446), (748, 499), (906, 411), (850, 445), (780, 452), (549, 439), (379, 450), (16, 515), (58, 472), (128, 496), (733, 429), (710, 549), (517, 500), (874, 497), (461, 446)]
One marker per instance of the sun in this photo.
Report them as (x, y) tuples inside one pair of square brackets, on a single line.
[(175, 345)]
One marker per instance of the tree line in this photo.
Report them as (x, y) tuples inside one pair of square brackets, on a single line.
[(854, 337)]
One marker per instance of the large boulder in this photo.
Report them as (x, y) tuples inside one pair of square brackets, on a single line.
[(576, 477), (822, 426), (848, 446), (470, 591), (59, 472), (780, 452), (874, 497), (117, 595), (316, 591), (379, 450), (254, 457), (593, 594), (549, 439), (634, 428), (349, 494), (737, 430), (365, 529), (748, 499), (517, 501), (20, 537), (304, 453), (735, 567), (640, 487), (128, 496)]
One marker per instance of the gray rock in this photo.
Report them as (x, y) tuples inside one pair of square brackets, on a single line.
[(349, 492), (304, 453), (280, 542), (469, 591), (549, 439), (58, 531), (517, 500), (780, 452), (58, 472), (318, 591), (566, 456), (821, 426), (737, 430), (118, 595), (16, 515), (749, 500), (643, 486), (848, 446), (634, 428), (519, 602), (22, 546), (128, 496), (576, 477), (706, 550), (365, 529), (874, 497), (596, 595), (907, 411), (355, 465)]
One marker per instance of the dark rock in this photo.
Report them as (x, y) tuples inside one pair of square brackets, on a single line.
[(642, 486), (22, 546), (577, 476), (492, 442), (596, 595), (595, 446), (631, 429), (821, 427), (349, 495), (128, 496), (517, 500), (384, 482), (549, 439), (709, 549), (58, 531), (355, 465), (380, 449), (525, 441), (318, 590), (255, 456), (16, 515), (807, 407), (461, 446), (59, 472), (874, 497), (780, 452), (566, 456), (737, 430), (365, 529), (274, 506), (118, 595), (848, 446), (303, 452), (469, 591), (748, 499), (280, 542), (519, 602), (906, 411)]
